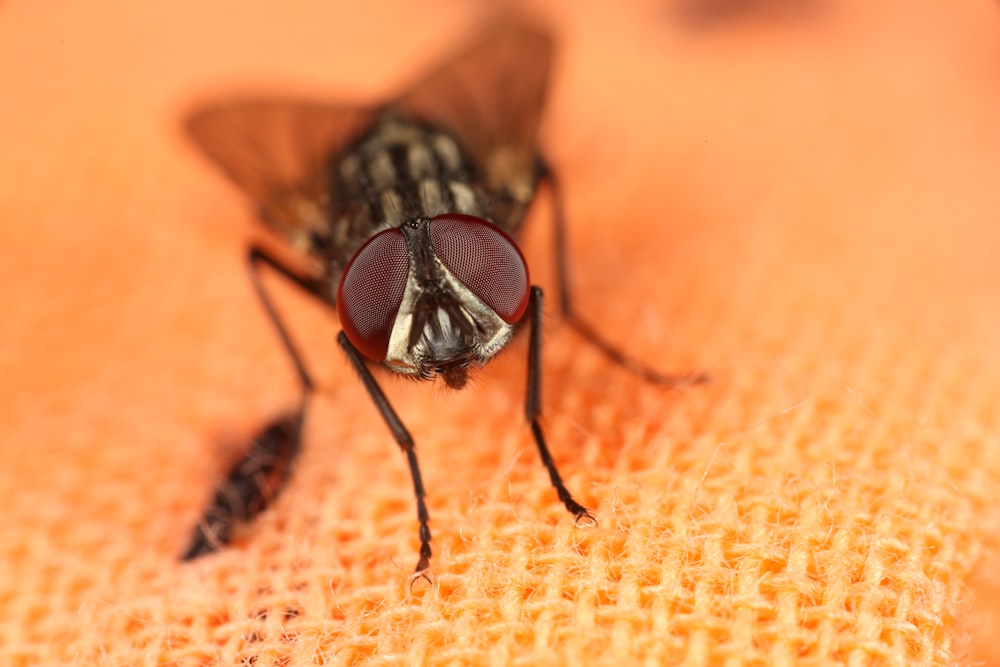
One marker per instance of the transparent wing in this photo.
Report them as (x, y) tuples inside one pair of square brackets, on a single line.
[(491, 98), (278, 151)]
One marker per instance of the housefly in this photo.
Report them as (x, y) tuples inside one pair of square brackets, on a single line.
[(407, 214)]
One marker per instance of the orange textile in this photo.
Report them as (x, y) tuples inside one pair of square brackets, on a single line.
[(802, 203)]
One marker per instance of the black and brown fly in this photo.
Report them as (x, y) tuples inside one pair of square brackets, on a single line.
[(407, 214)]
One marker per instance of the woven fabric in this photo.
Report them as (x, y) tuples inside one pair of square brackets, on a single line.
[(802, 204)]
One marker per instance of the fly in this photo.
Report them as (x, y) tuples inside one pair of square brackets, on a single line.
[(407, 214)]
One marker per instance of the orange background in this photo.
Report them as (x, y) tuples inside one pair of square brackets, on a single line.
[(802, 202)]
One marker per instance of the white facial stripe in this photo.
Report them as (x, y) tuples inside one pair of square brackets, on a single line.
[(493, 334)]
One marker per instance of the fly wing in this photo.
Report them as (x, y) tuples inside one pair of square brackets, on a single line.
[(279, 151), (490, 97)]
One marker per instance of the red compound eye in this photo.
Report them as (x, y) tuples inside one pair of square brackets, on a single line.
[(485, 259), (371, 290)]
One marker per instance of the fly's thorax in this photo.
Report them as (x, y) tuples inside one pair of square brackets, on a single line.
[(398, 170), (402, 170)]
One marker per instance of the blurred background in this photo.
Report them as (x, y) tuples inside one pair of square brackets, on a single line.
[(798, 197)]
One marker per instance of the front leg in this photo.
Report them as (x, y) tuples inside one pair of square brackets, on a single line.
[(533, 411), (405, 442)]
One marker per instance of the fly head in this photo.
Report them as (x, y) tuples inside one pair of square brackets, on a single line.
[(435, 296)]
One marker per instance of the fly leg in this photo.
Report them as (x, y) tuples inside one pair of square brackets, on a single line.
[(405, 442), (582, 327), (533, 410), (257, 478)]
